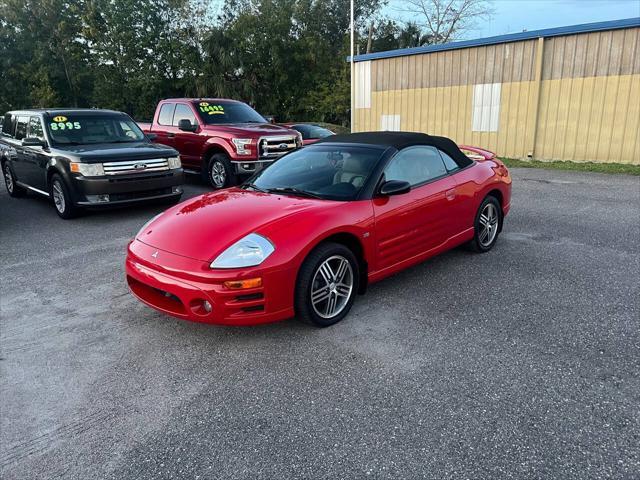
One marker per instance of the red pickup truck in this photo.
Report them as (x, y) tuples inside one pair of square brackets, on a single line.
[(223, 139)]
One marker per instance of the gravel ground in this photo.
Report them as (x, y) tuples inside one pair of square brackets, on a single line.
[(520, 363)]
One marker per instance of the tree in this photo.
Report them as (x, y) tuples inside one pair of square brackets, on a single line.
[(446, 20)]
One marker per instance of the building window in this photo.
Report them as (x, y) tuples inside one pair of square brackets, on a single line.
[(390, 122), (486, 107)]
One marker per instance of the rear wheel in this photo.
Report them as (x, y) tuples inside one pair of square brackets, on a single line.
[(10, 182), (327, 285), (61, 197), (487, 225), (219, 171)]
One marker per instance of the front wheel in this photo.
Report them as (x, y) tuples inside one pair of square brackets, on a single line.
[(61, 197), (487, 225), (327, 285), (219, 171)]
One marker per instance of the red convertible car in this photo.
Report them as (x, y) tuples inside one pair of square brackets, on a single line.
[(308, 233)]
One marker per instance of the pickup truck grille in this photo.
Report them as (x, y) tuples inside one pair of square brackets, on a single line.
[(135, 166), (274, 147)]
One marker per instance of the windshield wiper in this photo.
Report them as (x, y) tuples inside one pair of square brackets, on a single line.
[(293, 191), (255, 187)]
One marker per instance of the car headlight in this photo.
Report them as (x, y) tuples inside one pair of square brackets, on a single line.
[(299, 140), (174, 162), (247, 252), (87, 169), (242, 145)]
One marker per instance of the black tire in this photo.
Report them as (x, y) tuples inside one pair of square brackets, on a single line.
[(216, 166), (484, 239), (310, 273), (61, 198), (13, 189)]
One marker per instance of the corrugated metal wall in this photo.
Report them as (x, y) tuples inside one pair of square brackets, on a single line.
[(574, 97)]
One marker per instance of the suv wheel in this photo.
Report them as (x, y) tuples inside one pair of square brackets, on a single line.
[(62, 198), (220, 172), (10, 182)]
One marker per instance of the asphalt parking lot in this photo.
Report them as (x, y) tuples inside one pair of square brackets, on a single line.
[(520, 363)]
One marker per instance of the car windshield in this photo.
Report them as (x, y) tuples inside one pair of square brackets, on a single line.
[(312, 131), (86, 129), (216, 113), (330, 172)]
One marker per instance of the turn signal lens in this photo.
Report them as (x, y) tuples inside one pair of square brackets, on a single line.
[(242, 284)]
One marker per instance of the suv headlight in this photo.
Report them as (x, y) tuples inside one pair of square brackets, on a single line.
[(174, 162), (87, 169), (299, 140), (242, 145), (247, 252)]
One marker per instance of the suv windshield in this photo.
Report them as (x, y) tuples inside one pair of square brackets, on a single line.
[(330, 172), (216, 113), (87, 129)]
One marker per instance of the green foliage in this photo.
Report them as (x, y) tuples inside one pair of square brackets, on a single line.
[(284, 57)]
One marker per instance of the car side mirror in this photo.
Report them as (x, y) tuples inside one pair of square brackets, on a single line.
[(186, 125), (33, 142), (394, 187)]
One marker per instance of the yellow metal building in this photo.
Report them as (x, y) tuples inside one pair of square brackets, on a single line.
[(569, 93)]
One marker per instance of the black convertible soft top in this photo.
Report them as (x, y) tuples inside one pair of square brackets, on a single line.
[(402, 140)]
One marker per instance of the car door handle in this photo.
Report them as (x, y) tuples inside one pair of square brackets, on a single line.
[(451, 194), (171, 135)]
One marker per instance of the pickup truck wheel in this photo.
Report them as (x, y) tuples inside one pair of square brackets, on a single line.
[(220, 173), (62, 198), (10, 182)]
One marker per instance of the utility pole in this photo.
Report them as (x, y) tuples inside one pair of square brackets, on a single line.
[(353, 83)]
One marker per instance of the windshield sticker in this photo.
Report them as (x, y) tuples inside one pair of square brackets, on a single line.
[(60, 118), (211, 109), (64, 125)]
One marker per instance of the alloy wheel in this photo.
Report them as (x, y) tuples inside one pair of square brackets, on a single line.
[(218, 174), (58, 196), (332, 286), (488, 223), (8, 178)]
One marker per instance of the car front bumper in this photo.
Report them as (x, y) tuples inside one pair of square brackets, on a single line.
[(124, 189), (179, 286), (250, 167)]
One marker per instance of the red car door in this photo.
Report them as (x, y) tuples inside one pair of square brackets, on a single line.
[(411, 224), (162, 127)]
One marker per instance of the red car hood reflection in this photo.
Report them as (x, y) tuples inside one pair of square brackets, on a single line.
[(202, 227)]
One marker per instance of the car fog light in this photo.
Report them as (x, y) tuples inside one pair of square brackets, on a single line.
[(207, 306), (176, 189)]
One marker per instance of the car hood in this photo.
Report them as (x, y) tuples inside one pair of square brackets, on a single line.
[(250, 129), (112, 152), (203, 227)]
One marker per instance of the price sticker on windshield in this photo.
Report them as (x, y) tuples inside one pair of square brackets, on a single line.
[(60, 122), (211, 109)]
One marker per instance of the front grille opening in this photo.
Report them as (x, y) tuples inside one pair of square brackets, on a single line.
[(253, 308), (158, 298), (250, 296), (114, 197)]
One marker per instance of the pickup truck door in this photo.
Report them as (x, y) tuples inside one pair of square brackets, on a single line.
[(189, 144), (162, 125)]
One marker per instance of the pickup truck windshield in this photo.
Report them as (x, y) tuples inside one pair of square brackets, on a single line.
[(218, 113), (330, 172), (79, 129)]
